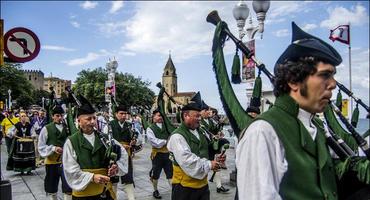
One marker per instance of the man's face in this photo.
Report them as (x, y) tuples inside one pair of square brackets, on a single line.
[(314, 93), (87, 123), (121, 116), (157, 118), (41, 114), (57, 118), (192, 119), (23, 117), (204, 113)]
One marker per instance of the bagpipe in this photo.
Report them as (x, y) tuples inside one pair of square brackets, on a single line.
[(168, 126), (113, 151), (239, 119)]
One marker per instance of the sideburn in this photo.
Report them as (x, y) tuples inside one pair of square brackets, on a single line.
[(303, 90)]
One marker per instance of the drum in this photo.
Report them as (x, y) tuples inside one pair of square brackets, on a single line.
[(24, 146)]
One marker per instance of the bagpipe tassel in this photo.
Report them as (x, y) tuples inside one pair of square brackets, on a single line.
[(338, 103), (235, 70), (355, 115)]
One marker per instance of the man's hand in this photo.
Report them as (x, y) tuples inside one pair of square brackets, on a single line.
[(113, 170), (220, 158), (126, 146), (58, 150), (100, 179), (133, 142), (215, 166)]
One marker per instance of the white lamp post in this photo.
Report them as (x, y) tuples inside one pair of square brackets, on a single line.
[(241, 13), (10, 99)]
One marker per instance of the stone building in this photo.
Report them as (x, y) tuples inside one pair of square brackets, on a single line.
[(36, 78), (58, 84), (169, 82)]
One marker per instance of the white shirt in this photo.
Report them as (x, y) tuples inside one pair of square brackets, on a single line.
[(154, 141), (44, 149), (261, 161), (191, 164), (76, 178)]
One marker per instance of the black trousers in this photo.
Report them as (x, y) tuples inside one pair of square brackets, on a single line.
[(159, 162), (54, 172), (180, 192)]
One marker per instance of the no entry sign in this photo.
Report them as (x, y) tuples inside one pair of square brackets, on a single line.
[(21, 44)]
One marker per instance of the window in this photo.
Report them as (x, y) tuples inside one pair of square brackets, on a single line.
[(29, 77), (166, 73), (35, 78)]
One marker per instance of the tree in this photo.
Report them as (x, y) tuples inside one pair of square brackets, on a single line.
[(129, 90), (11, 77)]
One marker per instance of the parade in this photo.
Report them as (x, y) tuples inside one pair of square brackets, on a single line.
[(298, 129)]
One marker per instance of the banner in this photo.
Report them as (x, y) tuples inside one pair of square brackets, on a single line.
[(248, 72), (109, 89), (341, 33), (345, 107)]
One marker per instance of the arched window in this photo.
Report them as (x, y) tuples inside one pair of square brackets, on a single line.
[(166, 73), (29, 77)]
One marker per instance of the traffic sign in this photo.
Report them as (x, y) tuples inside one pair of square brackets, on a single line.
[(21, 44)]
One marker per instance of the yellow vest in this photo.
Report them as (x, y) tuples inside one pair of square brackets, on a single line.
[(183, 179), (94, 189), (156, 150)]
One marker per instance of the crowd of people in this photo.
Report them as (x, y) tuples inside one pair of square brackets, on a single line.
[(282, 154)]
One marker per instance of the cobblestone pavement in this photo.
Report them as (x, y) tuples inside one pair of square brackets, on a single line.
[(30, 187)]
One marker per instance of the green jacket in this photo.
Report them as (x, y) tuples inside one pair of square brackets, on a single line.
[(88, 157), (55, 137), (121, 134), (310, 173), (158, 132), (198, 147)]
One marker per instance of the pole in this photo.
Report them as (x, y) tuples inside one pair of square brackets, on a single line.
[(350, 71), (10, 99)]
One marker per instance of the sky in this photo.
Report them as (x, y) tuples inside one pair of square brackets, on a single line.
[(80, 35)]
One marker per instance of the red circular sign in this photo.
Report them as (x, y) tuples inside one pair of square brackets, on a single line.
[(21, 44)]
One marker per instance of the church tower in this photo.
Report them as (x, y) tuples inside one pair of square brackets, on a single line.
[(169, 77)]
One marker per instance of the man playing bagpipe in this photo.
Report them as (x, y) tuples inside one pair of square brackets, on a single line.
[(191, 164), (216, 142), (22, 152), (50, 145), (124, 133), (90, 158), (160, 156), (283, 153)]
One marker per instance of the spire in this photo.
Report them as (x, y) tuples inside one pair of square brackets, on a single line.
[(170, 66)]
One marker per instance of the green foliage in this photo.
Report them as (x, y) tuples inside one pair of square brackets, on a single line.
[(11, 77), (129, 90)]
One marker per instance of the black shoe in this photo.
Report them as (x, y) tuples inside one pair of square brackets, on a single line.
[(157, 195), (222, 189)]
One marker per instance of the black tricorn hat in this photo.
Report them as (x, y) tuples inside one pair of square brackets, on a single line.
[(121, 108), (155, 111), (57, 109), (194, 104), (304, 45), (204, 106), (253, 109), (85, 108)]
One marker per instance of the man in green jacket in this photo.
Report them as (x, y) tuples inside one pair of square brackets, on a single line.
[(283, 153), (189, 146)]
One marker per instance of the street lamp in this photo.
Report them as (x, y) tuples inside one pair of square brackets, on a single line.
[(241, 13), (10, 99)]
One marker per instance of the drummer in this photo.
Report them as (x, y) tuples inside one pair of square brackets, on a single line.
[(22, 152)]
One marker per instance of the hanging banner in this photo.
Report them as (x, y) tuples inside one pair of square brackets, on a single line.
[(249, 69), (345, 107)]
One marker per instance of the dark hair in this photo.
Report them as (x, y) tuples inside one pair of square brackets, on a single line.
[(293, 72)]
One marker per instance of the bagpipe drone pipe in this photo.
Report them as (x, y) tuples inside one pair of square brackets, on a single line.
[(239, 119)]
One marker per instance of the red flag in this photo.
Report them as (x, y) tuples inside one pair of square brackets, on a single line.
[(341, 33)]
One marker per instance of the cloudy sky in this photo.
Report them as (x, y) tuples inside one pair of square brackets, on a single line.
[(139, 35)]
